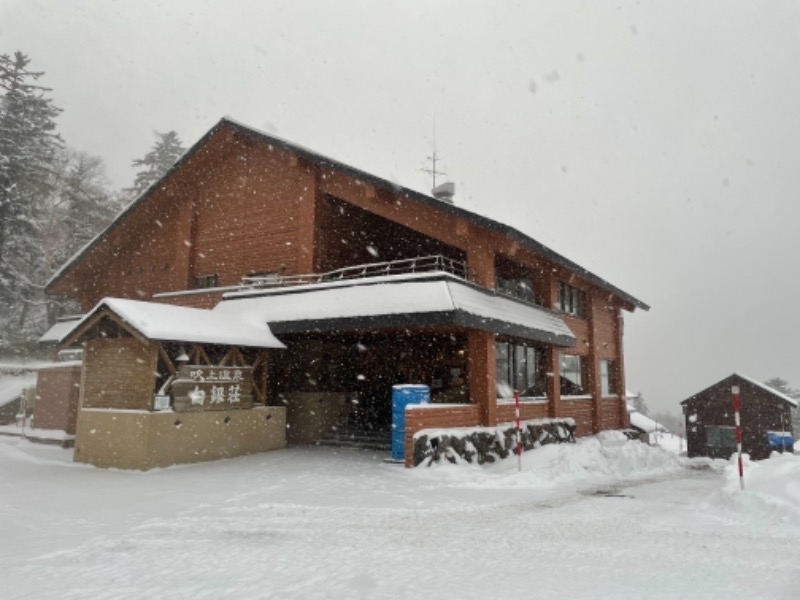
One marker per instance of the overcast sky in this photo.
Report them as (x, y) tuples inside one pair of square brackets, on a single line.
[(655, 143)]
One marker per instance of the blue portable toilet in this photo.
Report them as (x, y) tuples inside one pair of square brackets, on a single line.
[(402, 396)]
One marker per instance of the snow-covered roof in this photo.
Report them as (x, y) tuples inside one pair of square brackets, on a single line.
[(764, 386), (411, 300), (60, 330), (733, 377), (645, 423), (315, 157), (181, 324)]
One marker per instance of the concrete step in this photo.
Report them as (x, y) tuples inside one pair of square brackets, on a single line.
[(351, 438)]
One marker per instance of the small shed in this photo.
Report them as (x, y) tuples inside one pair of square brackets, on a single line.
[(162, 385), (765, 420)]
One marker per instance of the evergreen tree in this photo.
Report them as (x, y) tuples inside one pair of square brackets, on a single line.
[(78, 208), (28, 144), (165, 153), (639, 404), (782, 386)]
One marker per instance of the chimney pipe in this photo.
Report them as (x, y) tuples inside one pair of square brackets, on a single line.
[(445, 192)]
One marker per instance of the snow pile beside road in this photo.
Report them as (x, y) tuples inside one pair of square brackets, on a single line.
[(608, 457), (772, 488)]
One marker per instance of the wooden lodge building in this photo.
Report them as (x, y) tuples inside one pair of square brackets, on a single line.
[(365, 283)]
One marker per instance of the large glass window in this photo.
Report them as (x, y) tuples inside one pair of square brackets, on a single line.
[(520, 367), (572, 377)]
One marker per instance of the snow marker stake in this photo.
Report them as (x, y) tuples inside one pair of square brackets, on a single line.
[(736, 410), (519, 433)]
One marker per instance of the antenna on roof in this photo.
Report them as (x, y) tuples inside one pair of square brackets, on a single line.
[(434, 159)]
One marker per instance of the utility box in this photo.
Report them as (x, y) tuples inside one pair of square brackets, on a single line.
[(402, 396)]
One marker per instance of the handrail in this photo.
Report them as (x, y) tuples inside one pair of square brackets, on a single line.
[(421, 264)]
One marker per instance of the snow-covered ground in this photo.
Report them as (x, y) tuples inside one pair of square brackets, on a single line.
[(599, 519)]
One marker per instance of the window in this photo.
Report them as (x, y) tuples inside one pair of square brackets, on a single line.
[(205, 281), (521, 288), (608, 378), (572, 375), (721, 437), (571, 300), (520, 367)]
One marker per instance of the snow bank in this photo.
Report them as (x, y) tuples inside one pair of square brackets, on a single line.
[(771, 488), (607, 458)]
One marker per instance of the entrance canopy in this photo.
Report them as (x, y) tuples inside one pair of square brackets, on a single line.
[(176, 323), (413, 300)]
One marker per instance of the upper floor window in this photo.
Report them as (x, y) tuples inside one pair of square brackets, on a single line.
[(521, 288), (571, 300), (205, 281)]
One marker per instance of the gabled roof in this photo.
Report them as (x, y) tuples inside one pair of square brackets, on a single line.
[(321, 160), (413, 300), (736, 377), (165, 322)]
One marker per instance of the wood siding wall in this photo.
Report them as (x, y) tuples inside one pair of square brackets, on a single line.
[(506, 413), (57, 395), (118, 373), (611, 409), (583, 413)]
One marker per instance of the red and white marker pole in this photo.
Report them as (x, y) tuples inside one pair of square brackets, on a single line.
[(737, 405), (519, 433)]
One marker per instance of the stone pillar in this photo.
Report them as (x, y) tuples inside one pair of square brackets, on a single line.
[(481, 366)]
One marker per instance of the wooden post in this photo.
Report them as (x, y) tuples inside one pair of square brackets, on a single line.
[(553, 382), (481, 363), (736, 411), (519, 432)]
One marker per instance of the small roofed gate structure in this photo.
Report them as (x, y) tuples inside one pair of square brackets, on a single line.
[(765, 420), (163, 385)]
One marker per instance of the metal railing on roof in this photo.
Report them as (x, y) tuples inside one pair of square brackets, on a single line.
[(406, 266)]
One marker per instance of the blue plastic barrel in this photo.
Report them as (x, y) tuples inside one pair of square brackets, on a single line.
[(402, 396)]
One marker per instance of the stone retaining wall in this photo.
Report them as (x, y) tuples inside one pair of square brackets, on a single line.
[(488, 444)]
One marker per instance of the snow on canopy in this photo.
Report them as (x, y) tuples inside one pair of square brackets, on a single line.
[(181, 324), (414, 294)]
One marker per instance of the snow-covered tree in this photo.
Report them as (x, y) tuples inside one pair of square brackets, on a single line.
[(782, 386), (79, 207), (639, 404), (28, 144), (165, 153)]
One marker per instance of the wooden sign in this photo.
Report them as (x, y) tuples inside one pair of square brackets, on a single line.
[(200, 387)]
